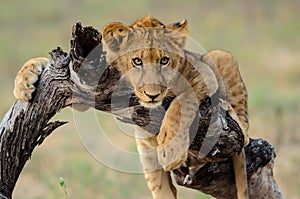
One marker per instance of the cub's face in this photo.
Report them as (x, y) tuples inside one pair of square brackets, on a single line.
[(147, 57), (147, 70)]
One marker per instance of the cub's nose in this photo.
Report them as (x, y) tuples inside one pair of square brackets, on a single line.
[(155, 92), (151, 96)]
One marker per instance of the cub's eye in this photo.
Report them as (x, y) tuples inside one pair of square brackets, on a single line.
[(137, 61), (164, 60)]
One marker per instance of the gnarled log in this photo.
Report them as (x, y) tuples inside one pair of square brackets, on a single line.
[(83, 77)]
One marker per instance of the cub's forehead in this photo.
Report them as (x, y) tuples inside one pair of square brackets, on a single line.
[(149, 38)]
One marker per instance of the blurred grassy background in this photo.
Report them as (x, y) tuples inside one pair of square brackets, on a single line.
[(263, 35)]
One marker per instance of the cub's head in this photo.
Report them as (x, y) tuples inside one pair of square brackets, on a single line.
[(146, 55)]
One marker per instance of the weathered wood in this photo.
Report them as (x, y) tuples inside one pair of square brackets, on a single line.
[(217, 178), (83, 77), (25, 125)]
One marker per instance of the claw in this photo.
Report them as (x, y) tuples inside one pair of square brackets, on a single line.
[(224, 104), (224, 123), (188, 180), (215, 152)]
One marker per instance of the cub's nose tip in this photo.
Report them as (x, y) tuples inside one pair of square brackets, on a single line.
[(152, 97)]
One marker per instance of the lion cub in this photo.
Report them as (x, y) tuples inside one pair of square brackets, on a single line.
[(151, 56)]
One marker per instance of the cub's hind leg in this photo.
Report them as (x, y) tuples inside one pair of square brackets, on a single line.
[(235, 89), (238, 160), (240, 172), (27, 76), (237, 105), (158, 180)]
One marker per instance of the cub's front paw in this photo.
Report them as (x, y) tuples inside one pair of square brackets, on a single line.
[(172, 151), (27, 76)]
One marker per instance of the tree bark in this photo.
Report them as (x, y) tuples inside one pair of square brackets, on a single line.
[(83, 77)]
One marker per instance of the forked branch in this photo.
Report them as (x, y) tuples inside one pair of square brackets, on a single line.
[(83, 77)]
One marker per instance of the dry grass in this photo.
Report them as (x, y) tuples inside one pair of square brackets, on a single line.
[(264, 36)]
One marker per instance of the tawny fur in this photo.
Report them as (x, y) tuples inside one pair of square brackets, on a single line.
[(27, 76), (168, 150)]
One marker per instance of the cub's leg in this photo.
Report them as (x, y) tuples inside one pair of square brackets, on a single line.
[(159, 181), (240, 172), (239, 160), (27, 76), (173, 138), (235, 89), (237, 105), (237, 97)]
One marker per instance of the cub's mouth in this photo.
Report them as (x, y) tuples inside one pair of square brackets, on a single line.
[(152, 101), (151, 97), (150, 104)]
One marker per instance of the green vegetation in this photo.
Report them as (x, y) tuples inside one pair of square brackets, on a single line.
[(63, 187), (263, 35)]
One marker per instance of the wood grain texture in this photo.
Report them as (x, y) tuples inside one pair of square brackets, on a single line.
[(83, 77)]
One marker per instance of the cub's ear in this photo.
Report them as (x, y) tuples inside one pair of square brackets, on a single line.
[(181, 27), (113, 34), (179, 31)]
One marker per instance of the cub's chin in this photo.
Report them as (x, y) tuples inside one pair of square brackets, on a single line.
[(151, 104)]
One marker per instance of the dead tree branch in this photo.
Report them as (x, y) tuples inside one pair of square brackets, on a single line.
[(83, 77)]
